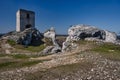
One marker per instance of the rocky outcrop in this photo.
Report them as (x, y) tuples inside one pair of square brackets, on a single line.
[(90, 33), (27, 37), (55, 48), (110, 37), (78, 32)]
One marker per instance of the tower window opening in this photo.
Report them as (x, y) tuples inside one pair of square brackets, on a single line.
[(28, 16)]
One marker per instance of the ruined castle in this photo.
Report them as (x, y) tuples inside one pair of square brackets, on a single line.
[(24, 19)]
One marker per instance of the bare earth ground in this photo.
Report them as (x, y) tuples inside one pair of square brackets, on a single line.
[(80, 64)]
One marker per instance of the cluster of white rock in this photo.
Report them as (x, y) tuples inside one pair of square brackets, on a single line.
[(90, 33), (110, 37), (77, 32), (51, 49)]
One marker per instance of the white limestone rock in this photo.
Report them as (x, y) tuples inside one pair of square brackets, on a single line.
[(77, 32), (93, 39), (87, 32), (65, 46), (47, 50), (51, 34), (110, 37)]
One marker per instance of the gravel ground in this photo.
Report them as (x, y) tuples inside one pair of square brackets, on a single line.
[(99, 68)]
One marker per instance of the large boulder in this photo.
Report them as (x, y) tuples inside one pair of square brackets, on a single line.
[(110, 37), (26, 37), (77, 32), (85, 31)]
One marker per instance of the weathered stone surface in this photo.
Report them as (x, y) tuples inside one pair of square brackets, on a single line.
[(24, 19), (56, 49), (93, 39), (87, 32), (90, 33), (65, 46), (26, 37), (51, 34), (84, 31), (110, 37), (47, 50)]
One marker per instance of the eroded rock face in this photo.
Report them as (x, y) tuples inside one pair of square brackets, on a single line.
[(110, 37), (50, 33), (78, 32), (47, 50), (90, 33), (26, 37), (55, 48), (84, 31)]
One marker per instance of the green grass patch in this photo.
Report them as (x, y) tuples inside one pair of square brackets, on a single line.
[(35, 48), (18, 64), (85, 42), (16, 56), (108, 50), (107, 47), (11, 42), (3, 55), (31, 48), (20, 56), (81, 42), (6, 64)]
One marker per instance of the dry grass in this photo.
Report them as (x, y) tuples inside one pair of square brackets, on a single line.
[(60, 71), (108, 50)]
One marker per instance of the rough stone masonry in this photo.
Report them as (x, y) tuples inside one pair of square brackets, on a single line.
[(24, 19)]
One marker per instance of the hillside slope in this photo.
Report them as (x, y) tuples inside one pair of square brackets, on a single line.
[(90, 61)]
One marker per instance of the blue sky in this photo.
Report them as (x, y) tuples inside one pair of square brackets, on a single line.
[(104, 14)]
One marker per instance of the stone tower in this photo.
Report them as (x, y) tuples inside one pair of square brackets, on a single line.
[(24, 19)]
